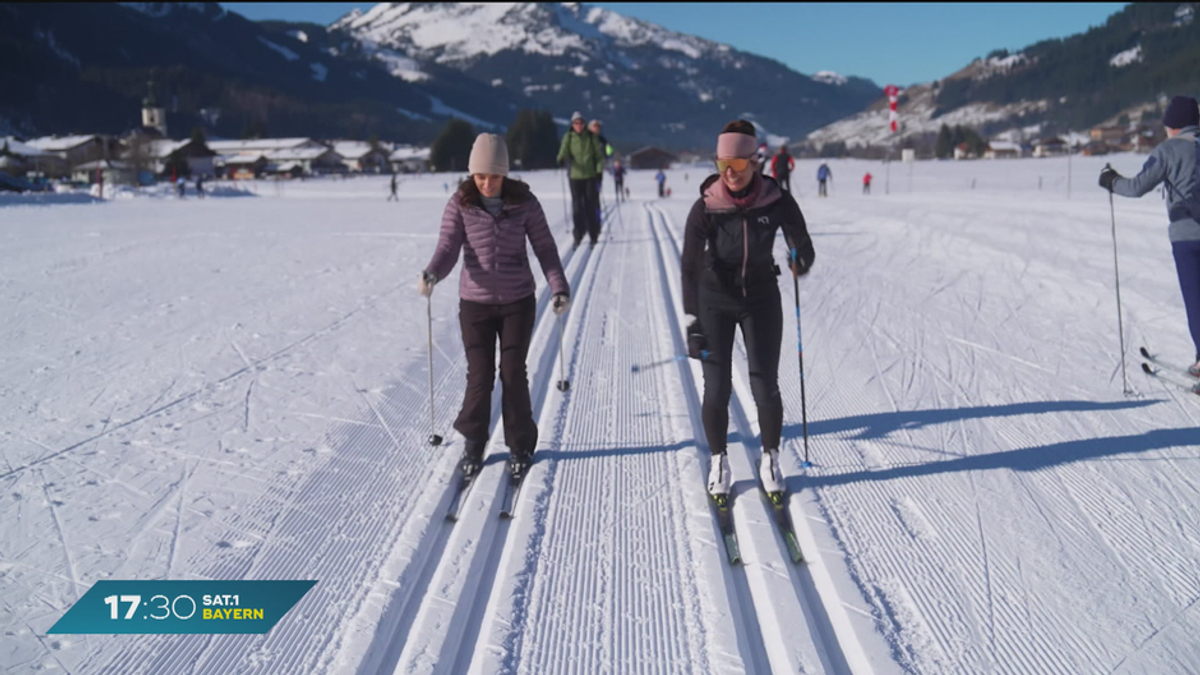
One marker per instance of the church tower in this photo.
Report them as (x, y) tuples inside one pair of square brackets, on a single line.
[(153, 115)]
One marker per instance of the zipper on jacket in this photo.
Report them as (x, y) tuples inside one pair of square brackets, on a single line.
[(745, 250)]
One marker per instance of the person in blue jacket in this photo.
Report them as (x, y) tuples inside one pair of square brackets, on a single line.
[(1175, 163), (823, 174)]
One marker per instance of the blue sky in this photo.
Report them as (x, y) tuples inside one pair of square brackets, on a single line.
[(898, 43)]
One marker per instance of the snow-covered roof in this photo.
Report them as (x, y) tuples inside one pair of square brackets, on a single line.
[(60, 143), (1004, 146), (23, 149), (238, 159), (298, 154), (407, 152), (257, 145), (352, 149)]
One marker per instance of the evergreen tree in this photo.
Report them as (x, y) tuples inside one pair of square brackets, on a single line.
[(944, 146), (452, 149), (533, 140)]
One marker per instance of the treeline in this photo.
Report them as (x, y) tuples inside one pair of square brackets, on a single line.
[(532, 139)]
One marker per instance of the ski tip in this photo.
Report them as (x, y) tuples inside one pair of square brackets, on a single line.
[(1145, 352), (1147, 369)]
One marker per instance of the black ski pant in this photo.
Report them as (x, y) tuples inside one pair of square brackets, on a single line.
[(821, 189), (620, 185), (585, 206), (785, 184), (481, 325), (760, 317)]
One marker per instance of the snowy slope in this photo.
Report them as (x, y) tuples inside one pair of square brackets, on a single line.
[(239, 389)]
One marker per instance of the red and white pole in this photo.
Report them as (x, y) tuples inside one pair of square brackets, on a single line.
[(893, 93)]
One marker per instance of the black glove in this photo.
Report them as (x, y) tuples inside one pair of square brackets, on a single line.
[(798, 267), (1107, 176), (696, 342)]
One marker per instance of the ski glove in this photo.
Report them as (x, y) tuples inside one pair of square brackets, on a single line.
[(561, 303), (1107, 176), (696, 342), (798, 267), (426, 283)]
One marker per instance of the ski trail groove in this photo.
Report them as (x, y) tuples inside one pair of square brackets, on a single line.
[(446, 619)]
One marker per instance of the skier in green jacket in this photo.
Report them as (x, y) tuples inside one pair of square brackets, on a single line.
[(582, 148)]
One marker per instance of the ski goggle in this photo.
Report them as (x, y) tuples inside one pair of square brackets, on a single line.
[(738, 164)]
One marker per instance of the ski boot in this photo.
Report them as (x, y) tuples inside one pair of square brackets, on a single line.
[(472, 459), (769, 472), (718, 479)]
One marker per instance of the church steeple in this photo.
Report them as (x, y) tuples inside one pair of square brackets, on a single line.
[(153, 115)]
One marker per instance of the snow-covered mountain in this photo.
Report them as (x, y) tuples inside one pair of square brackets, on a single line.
[(1121, 70), (649, 84)]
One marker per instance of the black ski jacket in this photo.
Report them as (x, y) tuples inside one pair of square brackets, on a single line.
[(730, 247)]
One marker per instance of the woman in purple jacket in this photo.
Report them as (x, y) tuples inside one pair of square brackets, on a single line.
[(488, 219)]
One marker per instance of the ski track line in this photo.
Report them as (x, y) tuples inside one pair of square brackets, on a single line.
[(765, 556), (353, 478), (515, 559), (1000, 568), (748, 652), (645, 636), (448, 616), (835, 602)]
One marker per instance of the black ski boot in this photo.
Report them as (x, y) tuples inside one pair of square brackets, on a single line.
[(518, 463), (472, 458)]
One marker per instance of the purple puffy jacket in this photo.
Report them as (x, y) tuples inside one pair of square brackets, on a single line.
[(495, 259)]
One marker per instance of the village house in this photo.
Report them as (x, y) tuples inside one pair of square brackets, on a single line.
[(1049, 147), (362, 157), (651, 158), (275, 155), (112, 172), (407, 159), (198, 156), (70, 151), (1003, 150), (1107, 134)]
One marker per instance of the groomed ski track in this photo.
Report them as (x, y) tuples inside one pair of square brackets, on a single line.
[(615, 507)]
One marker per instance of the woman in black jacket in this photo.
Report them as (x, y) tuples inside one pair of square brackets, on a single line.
[(729, 280)]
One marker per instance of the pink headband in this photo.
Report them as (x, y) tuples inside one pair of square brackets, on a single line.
[(733, 144)]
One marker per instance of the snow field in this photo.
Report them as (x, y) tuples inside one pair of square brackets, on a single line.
[(239, 389)]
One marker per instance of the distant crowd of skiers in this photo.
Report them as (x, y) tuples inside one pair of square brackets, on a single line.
[(729, 276)]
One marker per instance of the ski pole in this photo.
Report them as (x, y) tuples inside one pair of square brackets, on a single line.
[(1117, 274), (563, 383), (678, 357), (566, 216), (800, 353), (434, 439)]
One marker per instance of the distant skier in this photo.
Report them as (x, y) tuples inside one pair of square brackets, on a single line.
[(583, 150), (823, 175), (763, 154), (200, 186), (867, 183), (618, 172), (393, 197), (1175, 162), (492, 216), (729, 281), (661, 179), (180, 187), (781, 169)]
